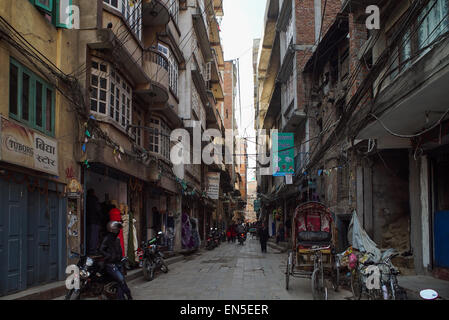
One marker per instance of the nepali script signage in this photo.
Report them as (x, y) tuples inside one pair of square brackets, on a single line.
[(214, 185), (24, 147), (283, 154)]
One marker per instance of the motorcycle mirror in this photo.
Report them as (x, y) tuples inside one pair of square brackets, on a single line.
[(429, 294)]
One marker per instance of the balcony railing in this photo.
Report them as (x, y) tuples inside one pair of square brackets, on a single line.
[(156, 66)]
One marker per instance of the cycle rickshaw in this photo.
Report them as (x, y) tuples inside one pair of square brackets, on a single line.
[(313, 254)]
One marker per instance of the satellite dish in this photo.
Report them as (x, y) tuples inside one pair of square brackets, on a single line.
[(429, 294)]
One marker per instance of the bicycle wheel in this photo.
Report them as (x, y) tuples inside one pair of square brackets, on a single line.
[(288, 271), (319, 292), (356, 285)]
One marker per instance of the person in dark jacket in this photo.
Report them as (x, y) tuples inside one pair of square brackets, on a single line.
[(94, 221), (263, 237), (112, 251)]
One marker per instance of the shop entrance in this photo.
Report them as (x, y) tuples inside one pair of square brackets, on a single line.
[(32, 235)]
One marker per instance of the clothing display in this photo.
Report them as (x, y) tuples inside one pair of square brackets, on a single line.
[(126, 231), (187, 240)]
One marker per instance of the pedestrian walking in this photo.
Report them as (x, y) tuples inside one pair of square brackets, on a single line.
[(233, 233), (263, 237), (228, 234)]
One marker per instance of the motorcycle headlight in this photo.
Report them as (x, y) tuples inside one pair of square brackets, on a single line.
[(89, 262), (84, 274)]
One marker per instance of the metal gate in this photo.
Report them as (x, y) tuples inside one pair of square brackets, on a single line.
[(32, 238)]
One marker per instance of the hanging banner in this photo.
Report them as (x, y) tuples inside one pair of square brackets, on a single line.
[(213, 190), (283, 154), (24, 147)]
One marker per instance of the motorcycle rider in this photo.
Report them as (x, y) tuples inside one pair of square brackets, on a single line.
[(112, 251)]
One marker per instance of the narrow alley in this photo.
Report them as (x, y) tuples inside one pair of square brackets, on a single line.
[(230, 272)]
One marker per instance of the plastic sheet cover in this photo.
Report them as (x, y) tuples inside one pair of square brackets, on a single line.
[(360, 240)]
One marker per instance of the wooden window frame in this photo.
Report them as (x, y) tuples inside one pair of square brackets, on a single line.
[(128, 14), (38, 4), (164, 144), (31, 122), (124, 107)]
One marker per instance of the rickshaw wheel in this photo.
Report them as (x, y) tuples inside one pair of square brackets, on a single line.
[(318, 290), (335, 277)]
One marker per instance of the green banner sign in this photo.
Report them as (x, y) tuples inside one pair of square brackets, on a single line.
[(283, 154)]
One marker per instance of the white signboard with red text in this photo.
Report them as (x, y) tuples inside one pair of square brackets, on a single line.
[(27, 148)]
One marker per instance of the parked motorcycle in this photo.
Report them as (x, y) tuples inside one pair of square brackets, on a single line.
[(389, 287), (94, 280), (217, 237), (210, 241), (153, 258)]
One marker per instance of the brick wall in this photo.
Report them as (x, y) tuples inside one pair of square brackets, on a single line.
[(305, 35), (227, 118)]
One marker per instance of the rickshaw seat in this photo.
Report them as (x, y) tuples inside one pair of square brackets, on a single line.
[(315, 237)]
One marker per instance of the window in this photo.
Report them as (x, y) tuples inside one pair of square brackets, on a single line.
[(159, 137), (432, 22), (435, 23), (31, 99), (402, 55), (131, 11), (138, 131), (111, 95), (173, 68), (289, 90), (46, 5), (290, 31), (174, 9), (56, 11)]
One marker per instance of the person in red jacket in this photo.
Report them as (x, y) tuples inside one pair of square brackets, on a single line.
[(115, 215), (233, 233)]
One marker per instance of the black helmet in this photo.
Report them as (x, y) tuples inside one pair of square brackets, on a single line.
[(114, 227)]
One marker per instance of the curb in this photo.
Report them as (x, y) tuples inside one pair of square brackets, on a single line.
[(277, 247)]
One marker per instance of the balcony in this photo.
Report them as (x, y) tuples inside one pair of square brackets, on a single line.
[(155, 13), (218, 7), (155, 65), (202, 35), (106, 41), (216, 83), (416, 99)]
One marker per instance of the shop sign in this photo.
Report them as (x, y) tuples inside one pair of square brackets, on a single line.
[(74, 189), (24, 147), (213, 185), (283, 154)]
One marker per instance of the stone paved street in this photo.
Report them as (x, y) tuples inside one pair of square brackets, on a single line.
[(230, 272)]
